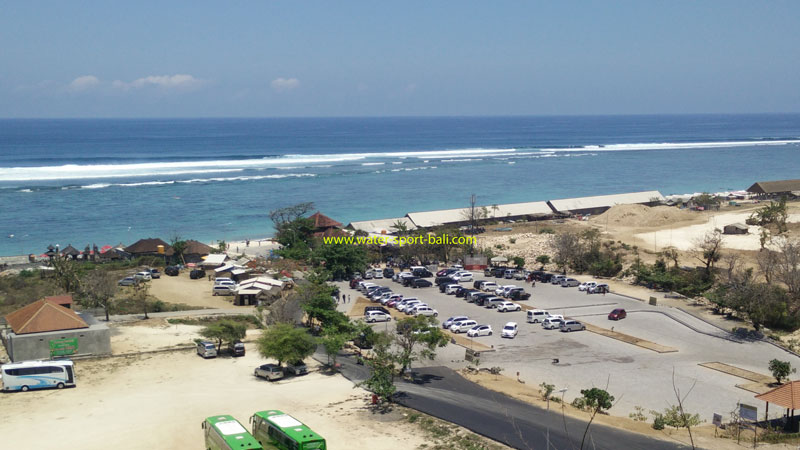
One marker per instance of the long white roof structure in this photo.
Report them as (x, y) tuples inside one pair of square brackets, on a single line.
[(381, 225), (600, 201), (445, 216)]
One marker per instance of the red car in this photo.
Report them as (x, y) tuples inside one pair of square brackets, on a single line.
[(391, 303), (617, 314)]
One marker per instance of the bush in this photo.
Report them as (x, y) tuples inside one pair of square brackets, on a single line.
[(638, 414), (547, 231), (658, 420)]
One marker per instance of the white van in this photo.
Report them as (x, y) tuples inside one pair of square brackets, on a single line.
[(207, 349), (537, 315), (222, 289), (463, 326)]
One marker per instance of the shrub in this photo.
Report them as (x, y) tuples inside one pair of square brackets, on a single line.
[(638, 414), (547, 231)]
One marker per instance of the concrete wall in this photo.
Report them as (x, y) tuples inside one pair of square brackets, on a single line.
[(95, 340)]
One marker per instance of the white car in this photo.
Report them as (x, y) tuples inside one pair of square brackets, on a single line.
[(377, 316), (377, 273), (489, 286), (587, 285), (557, 279), (600, 288), (480, 330), (447, 323), (508, 306), (425, 311), (457, 267), (503, 291), (451, 288), (462, 276), (413, 308), (406, 305), (146, 276), (552, 322), (510, 330), (462, 326)]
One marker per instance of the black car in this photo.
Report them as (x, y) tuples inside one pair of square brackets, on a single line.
[(197, 274), (480, 300), (518, 294), (409, 281), (445, 281), (172, 271), (388, 272), (421, 283), (462, 291), (477, 284), (422, 273), (237, 348), (498, 272), (367, 309), (546, 277)]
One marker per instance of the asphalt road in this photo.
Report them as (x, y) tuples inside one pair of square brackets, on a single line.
[(441, 392)]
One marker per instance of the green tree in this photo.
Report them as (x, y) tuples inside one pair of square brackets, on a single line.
[(781, 369), (284, 342), (340, 260), (66, 273), (293, 231), (333, 342), (418, 338), (595, 400), (543, 260), (224, 331), (519, 262), (179, 247), (382, 368)]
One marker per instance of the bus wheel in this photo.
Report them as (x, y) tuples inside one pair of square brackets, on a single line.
[(24, 389), (60, 385)]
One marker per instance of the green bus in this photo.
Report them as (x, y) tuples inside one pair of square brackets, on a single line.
[(274, 428), (226, 433)]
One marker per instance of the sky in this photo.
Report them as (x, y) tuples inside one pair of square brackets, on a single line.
[(419, 58)]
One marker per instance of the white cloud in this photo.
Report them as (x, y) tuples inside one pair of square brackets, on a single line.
[(285, 84), (176, 81), (83, 82)]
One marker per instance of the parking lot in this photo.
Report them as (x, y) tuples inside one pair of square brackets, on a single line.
[(636, 376)]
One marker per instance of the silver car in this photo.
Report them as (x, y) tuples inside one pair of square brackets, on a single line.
[(269, 371), (570, 282), (572, 325)]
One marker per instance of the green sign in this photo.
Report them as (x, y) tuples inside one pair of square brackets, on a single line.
[(63, 347)]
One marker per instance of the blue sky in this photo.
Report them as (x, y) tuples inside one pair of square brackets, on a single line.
[(267, 58)]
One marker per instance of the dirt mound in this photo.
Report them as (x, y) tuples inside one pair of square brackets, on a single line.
[(642, 216)]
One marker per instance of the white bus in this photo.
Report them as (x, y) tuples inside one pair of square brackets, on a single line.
[(27, 375)]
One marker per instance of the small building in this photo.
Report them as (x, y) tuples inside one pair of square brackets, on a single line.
[(149, 247), (735, 228), (382, 226), (601, 203), (325, 226), (195, 251), (257, 290), (70, 252), (775, 188), (45, 329), (214, 261)]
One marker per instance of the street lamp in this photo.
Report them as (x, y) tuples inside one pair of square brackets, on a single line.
[(562, 391)]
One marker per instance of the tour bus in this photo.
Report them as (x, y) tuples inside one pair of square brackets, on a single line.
[(226, 433), (284, 432), (26, 375)]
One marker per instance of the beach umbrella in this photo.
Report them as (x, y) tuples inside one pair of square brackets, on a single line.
[(499, 259), (191, 265)]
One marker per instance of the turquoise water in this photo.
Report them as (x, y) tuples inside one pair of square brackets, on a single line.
[(108, 181)]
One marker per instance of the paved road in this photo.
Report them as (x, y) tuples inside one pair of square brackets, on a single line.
[(443, 393)]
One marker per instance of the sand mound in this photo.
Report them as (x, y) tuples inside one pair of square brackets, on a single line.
[(642, 216)]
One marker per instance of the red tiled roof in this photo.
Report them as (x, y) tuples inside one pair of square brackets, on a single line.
[(44, 315), (787, 395), (60, 299), (323, 221)]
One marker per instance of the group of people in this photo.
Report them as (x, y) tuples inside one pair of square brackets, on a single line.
[(342, 298)]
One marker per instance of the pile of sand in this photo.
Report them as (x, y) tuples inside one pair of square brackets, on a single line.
[(643, 216)]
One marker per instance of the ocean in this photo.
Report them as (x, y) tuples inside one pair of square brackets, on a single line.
[(106, 181)]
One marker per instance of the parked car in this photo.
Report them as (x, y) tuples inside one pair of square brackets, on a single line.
[(237, 348), (425, 311), (409, 281), (480, 330), (519, 294), (489, 286), (172, 271), (409, 310), (296, 368), (537, 315), (552, 322), (508, 306), (367, 309), (571, 325), (421, 272), (207, 349), (482, 298), (406, 305), (503, 291), (586, 285), (520, 275), (377, 316), (492, 302), (570, 282), (222, 289), (477, 284), (269, 372), (510, 330), (463, 292), (451, 289), (462, 326), (144, 276), (421, 283), (223, 280), (601, 288), (462, 276), (509, 274), (388, 272), (617, 314), (445, 281), (557, 279), (127, 281), (154, 273), (197, 274), (450, 321)]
